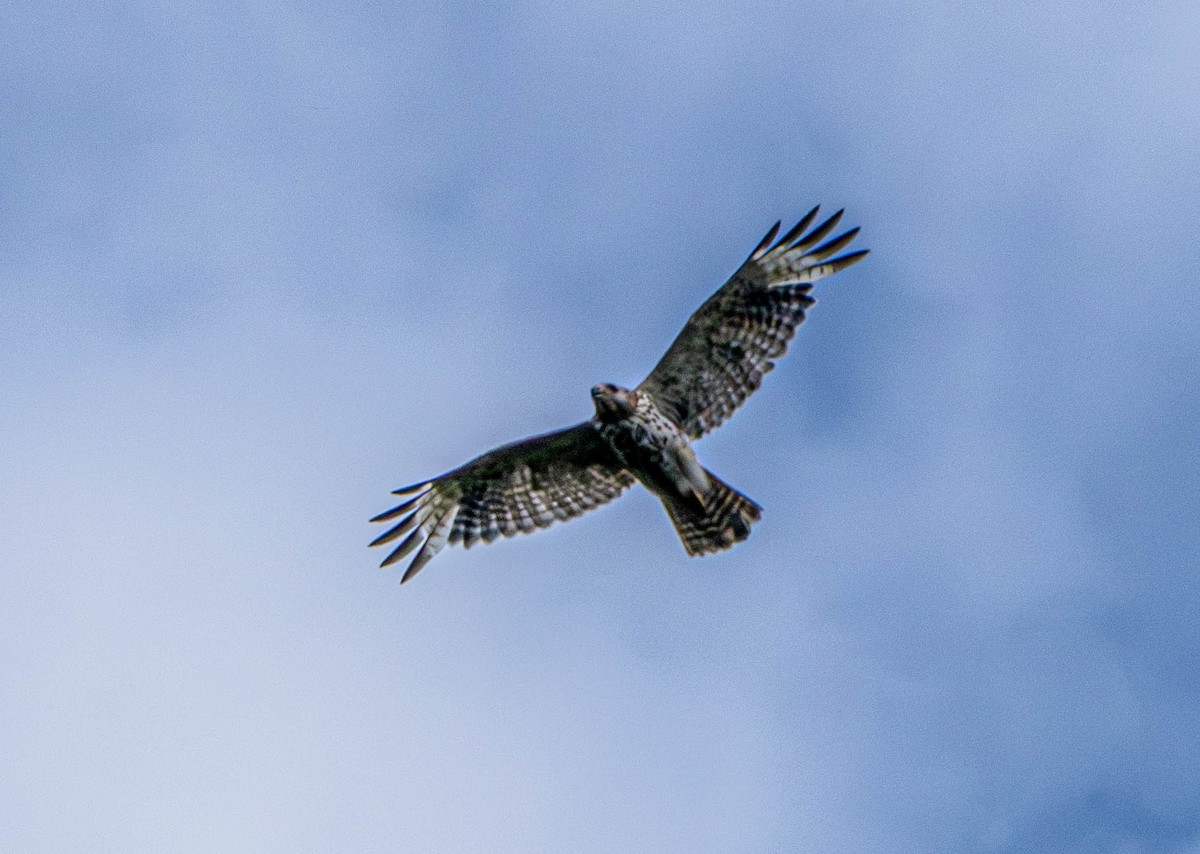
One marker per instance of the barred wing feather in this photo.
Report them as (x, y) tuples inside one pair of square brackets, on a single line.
[(731, 342), (517, 488)]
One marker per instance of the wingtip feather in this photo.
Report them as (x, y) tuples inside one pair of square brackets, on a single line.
[(408, 490), (818, 233), (854, 257), (398, 530), (829, 247), (433, 544), (848, 260), (795, 231), (398, 510), (761, 248), (404, 549), (413, 569)]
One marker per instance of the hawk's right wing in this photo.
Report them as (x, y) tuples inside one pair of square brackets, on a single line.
[(726, 347), (514, 489)]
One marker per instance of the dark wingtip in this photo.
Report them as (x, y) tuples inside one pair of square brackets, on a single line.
[(796, 230), (413, 568), (849, 259), (830, 247), (398, 510), (405, 548), (388, 561), (818, 234), (761, 248)]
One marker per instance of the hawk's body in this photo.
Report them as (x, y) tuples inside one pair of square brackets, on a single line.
[(716, 362), (708, 514), (648, 444)]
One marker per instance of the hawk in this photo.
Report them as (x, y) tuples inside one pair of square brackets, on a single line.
[(641, 435)]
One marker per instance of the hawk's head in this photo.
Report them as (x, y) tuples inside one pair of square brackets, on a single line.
[(612, 402)]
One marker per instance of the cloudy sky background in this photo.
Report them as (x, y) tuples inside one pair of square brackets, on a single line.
[(263, 262)]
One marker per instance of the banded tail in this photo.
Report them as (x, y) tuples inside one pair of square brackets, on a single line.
[(725, 519)]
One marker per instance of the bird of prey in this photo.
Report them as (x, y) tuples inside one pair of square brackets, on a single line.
[(640, 435)]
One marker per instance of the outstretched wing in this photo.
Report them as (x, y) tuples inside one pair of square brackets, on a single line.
[(515, 488), (720, 357)]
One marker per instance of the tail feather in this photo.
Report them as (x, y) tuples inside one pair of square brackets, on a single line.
[(725, 519)]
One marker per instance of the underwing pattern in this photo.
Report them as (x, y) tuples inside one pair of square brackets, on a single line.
[(717, 361), (514, 489), (731, 342)]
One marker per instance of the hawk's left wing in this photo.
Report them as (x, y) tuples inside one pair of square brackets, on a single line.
[(514, 489), (720, 357)]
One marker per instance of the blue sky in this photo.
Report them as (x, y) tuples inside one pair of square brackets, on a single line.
[(263, 262)]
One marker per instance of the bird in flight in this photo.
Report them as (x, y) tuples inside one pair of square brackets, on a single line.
[(640, 435)]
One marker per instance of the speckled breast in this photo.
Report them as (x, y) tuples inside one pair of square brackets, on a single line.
[(641, 441)]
